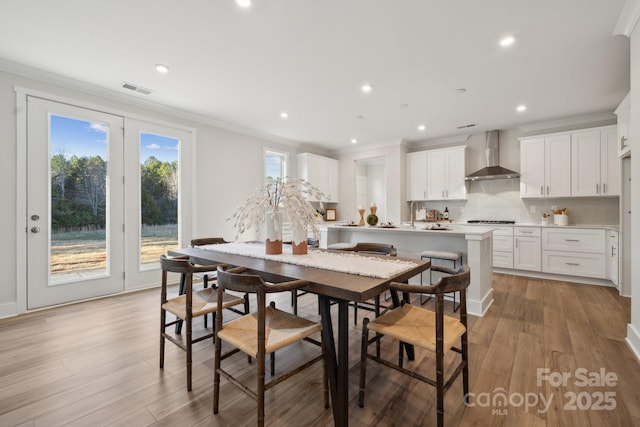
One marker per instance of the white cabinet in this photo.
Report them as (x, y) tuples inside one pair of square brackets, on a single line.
[(545, 166), (526, 251), (613, 264), (445, 174), (503, 247), (417, 175), (595, 169), (322, 172), (623, 144), (574, 251)]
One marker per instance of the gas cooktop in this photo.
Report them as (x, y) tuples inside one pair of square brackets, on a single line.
[(489, 221)]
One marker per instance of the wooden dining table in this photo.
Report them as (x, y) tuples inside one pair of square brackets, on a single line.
[(330, 287)]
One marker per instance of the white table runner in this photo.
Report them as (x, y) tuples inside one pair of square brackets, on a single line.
[(344, 262)]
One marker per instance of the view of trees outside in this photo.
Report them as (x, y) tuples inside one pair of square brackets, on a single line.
[(79, 198)]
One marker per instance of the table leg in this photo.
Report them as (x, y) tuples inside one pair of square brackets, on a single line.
[(337, 362)]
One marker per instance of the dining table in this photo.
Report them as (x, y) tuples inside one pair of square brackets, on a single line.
[(332, 287)]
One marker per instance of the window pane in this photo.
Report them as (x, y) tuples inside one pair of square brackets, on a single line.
[(274, 165), (158, 197), (78, 199)]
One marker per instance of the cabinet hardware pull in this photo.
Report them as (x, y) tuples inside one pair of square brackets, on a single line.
[(547, 190), (527, 232), (516, 243), (604, 188), (572, 263), (542, 190), (572, 240), (612, 254), (623, 140), (597, 188)]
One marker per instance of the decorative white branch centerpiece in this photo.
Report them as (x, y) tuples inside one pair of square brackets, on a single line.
[(266, 207)]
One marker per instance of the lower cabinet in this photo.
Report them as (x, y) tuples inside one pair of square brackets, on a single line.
[(526, 248), (503, 247), (574, 251)]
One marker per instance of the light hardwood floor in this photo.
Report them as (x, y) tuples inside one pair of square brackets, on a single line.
[(96, 363)]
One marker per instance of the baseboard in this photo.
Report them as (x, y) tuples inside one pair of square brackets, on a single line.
[(8, 310), (558, 277), (479, 308), (633, 340)]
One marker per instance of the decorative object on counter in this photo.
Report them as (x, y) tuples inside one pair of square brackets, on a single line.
[(445, 215), (560, 216), (330, 215), (372, 218), (545, 219), (432, 215), (264, 208), (361, 212)]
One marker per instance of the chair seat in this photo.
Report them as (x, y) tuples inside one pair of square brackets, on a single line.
[(453, 256), (417, 326), (281, 329), (202, 302)]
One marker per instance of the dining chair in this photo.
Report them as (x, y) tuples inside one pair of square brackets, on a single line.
[(188, 305), (373, 249), (432, 331), (260, 333)]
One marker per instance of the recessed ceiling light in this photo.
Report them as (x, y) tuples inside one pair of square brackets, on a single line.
[(507, 41), (284, 115), (244, 3), (422, 127), (354, 141), (161, 68), (366, 88), (521, 108)]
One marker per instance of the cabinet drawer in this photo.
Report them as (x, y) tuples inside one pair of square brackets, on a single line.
[(526, 231), (502, 243), (503, 231), (575, 240), (575, 264), (503, 259)]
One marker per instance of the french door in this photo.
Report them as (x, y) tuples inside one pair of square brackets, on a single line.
[(75, 194), (106, 196)]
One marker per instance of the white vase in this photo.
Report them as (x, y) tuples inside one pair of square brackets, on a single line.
[(299, 238), (273, 233)]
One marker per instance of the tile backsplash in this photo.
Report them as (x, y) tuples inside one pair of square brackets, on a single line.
[(500, 200)]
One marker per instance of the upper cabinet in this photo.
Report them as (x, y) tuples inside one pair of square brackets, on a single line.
[(579, 163), (545, 163), (417, 176), (436, 174), (595, 169), (322, 172), (623, 144)]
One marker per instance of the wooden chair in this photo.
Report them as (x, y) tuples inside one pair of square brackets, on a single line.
[(257, 334), (424, 328), (374, 249), (188, 305)]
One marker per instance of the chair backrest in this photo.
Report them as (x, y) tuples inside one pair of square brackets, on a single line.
[(372, 248), (176, 265), (207, 241)]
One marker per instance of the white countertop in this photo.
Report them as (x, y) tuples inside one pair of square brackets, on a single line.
[(422, 228), (531, 224)]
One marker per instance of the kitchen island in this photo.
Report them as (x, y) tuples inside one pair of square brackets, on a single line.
[(475, 243)]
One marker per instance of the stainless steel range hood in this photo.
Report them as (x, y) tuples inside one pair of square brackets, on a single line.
[(493, 170)]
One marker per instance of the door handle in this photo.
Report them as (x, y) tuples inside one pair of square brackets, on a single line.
[(35, 229)]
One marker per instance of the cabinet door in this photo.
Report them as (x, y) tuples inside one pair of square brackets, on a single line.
[(557, 164), (532, 168), (609, 163), (436, 175), (455, 173), (417, 176), (585, 163), (527, 254)]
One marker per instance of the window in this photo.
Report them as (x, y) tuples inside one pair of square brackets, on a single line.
[(275, 164)]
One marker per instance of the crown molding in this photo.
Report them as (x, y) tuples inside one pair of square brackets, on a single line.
[(445, 140), (25, 71), (354, 148), (569, 121), (628, 18)]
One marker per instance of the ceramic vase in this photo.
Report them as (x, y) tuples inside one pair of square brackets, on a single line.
[(273, 233), (299, 239)]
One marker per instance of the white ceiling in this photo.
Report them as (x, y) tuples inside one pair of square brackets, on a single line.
[(243, 67)]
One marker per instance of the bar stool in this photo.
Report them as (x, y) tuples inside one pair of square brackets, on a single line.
[(449, 260)]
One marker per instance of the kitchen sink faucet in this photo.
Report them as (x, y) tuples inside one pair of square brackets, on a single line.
[(413, 214)]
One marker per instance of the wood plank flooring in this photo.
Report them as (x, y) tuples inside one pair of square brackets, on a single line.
[(96, 364)]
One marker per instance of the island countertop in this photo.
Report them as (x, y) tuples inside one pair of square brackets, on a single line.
[(473, 242)]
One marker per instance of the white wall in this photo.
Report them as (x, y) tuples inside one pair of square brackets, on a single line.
[(228, 167)]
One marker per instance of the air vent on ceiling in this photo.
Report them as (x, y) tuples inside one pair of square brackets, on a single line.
[(136, 88), (470, 125)]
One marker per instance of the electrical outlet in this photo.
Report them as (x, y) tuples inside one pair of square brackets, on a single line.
[(532, 208)]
